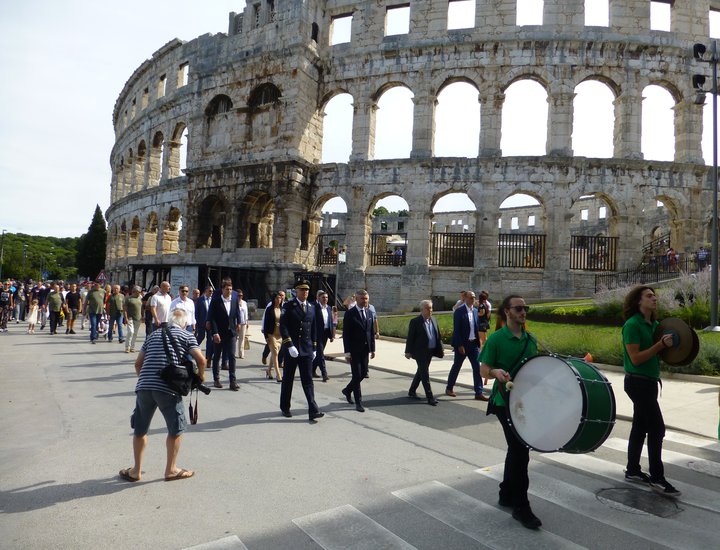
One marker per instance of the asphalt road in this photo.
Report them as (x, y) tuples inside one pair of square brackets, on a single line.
[(401, 475)]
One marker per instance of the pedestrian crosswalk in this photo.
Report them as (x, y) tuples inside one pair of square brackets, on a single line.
[(583, 501)]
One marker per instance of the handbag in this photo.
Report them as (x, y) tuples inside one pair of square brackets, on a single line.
[(178, 377), (246, 343)]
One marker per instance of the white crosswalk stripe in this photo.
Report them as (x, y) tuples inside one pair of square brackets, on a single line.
[(579, 499), (462, 512), (346, 528), (691, 494), (225, 543), (693, 441), (707, 467)]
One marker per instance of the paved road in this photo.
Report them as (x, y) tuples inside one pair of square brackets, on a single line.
[(401, 475)]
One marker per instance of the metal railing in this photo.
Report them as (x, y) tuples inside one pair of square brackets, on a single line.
[(591, 253), (654, 272), (521, 250), (388, 248), (327, 247), (452, 249)]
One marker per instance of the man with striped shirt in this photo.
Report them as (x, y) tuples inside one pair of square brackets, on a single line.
[(153, 393)]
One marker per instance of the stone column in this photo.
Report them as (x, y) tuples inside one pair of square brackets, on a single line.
[(629, 250), (423, 138), (490, 124), (363, 131), (498, 16), (557, 215), (564, 13), (688, 131), (560, 123), (416, 283), (630, 16), (691, 19), (628, 125)]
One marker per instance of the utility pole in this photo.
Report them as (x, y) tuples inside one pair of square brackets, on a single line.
[(2, 254)]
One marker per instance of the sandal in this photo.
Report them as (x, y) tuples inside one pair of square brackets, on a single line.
[(182, 474), (125, 474)]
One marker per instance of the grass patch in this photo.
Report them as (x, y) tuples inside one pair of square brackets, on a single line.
[(602, 342)]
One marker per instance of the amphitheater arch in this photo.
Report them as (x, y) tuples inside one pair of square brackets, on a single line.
[(171, 232), (328, 220), (658, 119), (393, 125), (150, 235), (177, 158), (133, 237), (522, 231), (594, 233), (211, 220), (337, 121), (140, 165), (264, 113), (157, 158), (593, 119), (457, 119), (122, 241), (524, 118), (388, 239), (453, 228), (256, 218)]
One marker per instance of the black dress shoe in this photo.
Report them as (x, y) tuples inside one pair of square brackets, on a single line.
[(326, 378), (505, 501), (412, 395), (525, 516), (234, 386), (315, 375), (359, 408), (286, 414), (347, 395), (432, 401), (316, 415)]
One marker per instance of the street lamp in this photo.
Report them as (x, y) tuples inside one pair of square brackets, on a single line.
[(698, 83)]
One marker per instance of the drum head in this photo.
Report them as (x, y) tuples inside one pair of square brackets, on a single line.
[(546, 402)]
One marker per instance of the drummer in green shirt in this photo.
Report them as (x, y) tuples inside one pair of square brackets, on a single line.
[(642, 376), (504, 350)]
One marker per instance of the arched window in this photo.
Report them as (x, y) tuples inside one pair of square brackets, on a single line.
[(263, 95), (218, 105)]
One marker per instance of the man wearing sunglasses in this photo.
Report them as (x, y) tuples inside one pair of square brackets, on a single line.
[(504, 351), (466, 341), (184, 302)]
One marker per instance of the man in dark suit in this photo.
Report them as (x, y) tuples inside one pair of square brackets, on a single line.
[(202, 308), (325, 330), (359, 345), (224, 317), (423, 342), (465, 342), (298, 329)]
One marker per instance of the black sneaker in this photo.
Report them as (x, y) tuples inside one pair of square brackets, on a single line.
[(639, 477), (664, 488), (527, 518)]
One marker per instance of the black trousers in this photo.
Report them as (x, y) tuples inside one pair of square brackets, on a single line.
[(358, 368), (303, 363), (647, 420), (224, 348), (319, 360), (54, 318), (515, 483), (422, 374)]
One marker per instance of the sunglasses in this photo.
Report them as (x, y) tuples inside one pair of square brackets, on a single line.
[(184, 290), (520, 308)]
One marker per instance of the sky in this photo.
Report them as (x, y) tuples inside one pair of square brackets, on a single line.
[(64, 65)]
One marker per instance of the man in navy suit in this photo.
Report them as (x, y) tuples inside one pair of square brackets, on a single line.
[(224, 317), (325, 331), (202, 308), (359, 345), (423, 342), (298, 329), (465, 342)]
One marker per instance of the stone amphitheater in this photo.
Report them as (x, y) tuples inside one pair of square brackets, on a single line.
[(217, 164)]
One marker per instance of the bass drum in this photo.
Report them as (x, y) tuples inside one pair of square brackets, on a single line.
[(561, 404)]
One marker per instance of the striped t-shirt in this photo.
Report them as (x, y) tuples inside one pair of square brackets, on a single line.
[(155, 359)]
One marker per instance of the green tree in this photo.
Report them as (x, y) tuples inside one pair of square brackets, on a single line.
[(380, 211), (91, 246)]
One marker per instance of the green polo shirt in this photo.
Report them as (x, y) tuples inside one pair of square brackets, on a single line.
[(95, 301), (502, 351), (134, 308), (54, 301), (637, 330), (116, 303)]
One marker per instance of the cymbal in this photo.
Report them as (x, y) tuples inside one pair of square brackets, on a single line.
[(686, 344)]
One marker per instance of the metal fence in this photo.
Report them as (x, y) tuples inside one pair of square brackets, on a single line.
[(388, 248), (591, 253), (452, 249), (327, 247), (645, 274), (521, 250)]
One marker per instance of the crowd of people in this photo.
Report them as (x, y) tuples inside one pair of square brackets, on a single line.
[(296, 332)]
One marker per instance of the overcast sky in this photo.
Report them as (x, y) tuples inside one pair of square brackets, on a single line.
[(64, 64)]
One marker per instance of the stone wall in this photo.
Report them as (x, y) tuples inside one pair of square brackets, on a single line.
[(252, 188)]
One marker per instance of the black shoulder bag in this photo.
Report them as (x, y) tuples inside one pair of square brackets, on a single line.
[(178, 377)]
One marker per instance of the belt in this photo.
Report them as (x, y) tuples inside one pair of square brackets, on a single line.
[(641, 376)]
